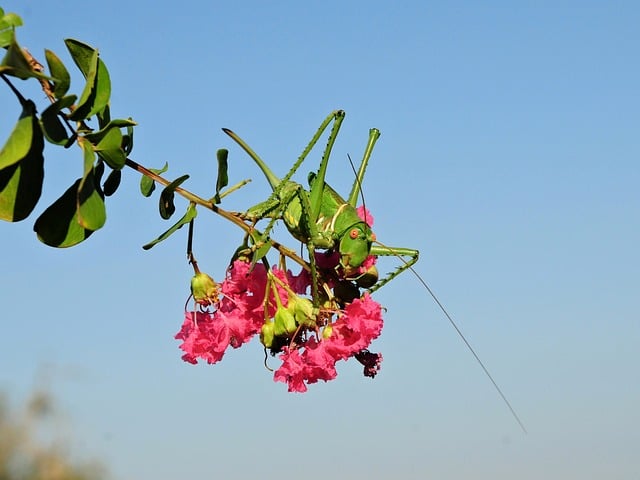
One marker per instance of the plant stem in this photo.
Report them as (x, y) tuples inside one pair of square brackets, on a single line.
[(231, 216)]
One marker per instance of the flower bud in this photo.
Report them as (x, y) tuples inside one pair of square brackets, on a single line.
[(326, 331), (303, 311), (267, 334), (284, 322), (204, 289)]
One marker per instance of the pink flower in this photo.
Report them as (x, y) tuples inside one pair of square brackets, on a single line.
[(240, 313), (365, 215), (299, 283), (292, 371), (238, 317), (351, 334), (360, 324)]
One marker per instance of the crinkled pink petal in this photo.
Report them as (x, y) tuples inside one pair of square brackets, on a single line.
[(298, 370), (202, 339), (320, 364), (291, 371), (299, 283), (365, 215), (359, 325)]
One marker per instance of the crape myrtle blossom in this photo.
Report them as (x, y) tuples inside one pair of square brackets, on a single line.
[(308, 342), (238, 317), (353, 331)]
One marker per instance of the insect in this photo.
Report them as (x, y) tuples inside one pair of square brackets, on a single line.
[(323, 220)]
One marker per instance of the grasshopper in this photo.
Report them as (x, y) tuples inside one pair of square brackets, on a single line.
[(321, 218)]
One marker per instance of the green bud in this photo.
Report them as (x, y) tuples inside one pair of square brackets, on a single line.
[(284, 322), (204, 289), (326, 331), (267, 334), (303, 309)]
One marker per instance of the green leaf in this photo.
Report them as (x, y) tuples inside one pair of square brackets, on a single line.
[(21, 182), (95, 96), (104, 117), (167, 208), (59, 73), (92, 213), (112, 182), (127, 141), (22, 167), (110, 149), (95, 137), (223, 176), (21, 138), (109, 141), (83, 55), (98, 171), (53, 128), (8, 23), (97, 90), (190, 215), (16, 64), (147, 185), (58, 225)]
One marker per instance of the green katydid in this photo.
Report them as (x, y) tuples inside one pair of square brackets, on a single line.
[(322, 219)]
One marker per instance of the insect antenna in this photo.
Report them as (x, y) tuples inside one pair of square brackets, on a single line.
[(460, 334)]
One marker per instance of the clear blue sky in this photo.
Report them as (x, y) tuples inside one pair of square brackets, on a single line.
[(508, 157)]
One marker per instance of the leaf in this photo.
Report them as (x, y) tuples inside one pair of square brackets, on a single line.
[(127, 141), (8, 23), (112, 182), (92, 213), (16, 64), (110, 149), (59, 73), (188, 216), (22, 167), (95, 137), (147, 185), (104, 117), (223, 176), (167, 208), (53, 128), (97, 90), (82, 55), (58, 225), (21, 138), (95, 96)]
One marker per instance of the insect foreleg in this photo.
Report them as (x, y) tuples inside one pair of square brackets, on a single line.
[(408, 257)]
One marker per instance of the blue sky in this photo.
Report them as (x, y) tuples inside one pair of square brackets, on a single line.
[(508, 157)]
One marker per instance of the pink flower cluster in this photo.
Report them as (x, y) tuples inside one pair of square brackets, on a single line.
[(309, 355), (350, 335)]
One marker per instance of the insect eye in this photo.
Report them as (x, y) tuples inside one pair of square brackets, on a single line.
[(354, 233)]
